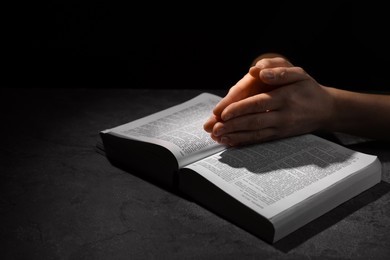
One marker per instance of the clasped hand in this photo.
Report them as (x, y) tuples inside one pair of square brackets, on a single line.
[(273, 100)]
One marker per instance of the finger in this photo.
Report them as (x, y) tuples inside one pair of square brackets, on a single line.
[(249, 122), (241, 90), (273, 63), (283, 75), (249, 137), (268, 63), (267, 55), (209, 124), (215, 138), (255, 104), (250, 84)]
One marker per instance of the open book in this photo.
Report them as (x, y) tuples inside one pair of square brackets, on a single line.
[(269, 189)]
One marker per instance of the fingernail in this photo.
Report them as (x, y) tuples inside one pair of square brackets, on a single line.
[(227, 117), (259, 65), (268, 74), (219, 131), (208, 120)]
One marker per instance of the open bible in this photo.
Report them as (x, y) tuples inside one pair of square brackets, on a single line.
[(269, 189)]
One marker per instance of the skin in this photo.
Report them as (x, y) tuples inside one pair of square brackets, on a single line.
[(276, 99)]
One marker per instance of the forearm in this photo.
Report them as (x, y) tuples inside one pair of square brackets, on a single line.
[(360, 114)]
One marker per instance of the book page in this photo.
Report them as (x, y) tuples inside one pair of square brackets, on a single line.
[(179, 129), (272, 177)]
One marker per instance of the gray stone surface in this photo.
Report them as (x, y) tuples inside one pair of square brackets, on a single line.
[(60, 199)]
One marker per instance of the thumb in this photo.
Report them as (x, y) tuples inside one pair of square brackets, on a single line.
[(245, 87), (283, 75)]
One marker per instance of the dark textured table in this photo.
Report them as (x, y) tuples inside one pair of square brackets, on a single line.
[(60, 199)]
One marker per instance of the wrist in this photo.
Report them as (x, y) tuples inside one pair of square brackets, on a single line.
[(331, 118)]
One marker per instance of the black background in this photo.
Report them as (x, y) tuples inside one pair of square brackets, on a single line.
[(110, 44), (61, 199)]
